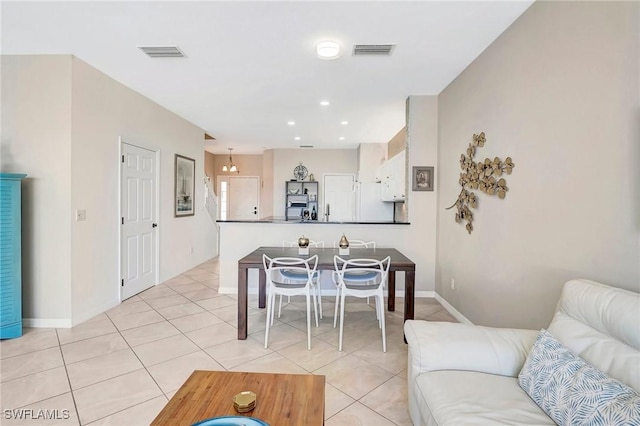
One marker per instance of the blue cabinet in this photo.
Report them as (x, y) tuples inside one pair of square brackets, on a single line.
[(10, 256)]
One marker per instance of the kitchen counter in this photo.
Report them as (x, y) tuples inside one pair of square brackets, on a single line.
[(279, 220)]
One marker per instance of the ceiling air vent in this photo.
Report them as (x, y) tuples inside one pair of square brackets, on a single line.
[(306, 146), (162, 51), (373, 49)]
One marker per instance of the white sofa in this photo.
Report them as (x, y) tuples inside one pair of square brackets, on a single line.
[(461, 374)]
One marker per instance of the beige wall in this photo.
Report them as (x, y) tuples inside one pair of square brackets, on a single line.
[(249, 165), (36, 139), (266, 197), (398, 143), (209, 166), (559, 92), (78, 114), (370, 157), (420, 208)]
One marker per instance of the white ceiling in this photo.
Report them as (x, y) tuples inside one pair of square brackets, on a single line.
[(251, 66)]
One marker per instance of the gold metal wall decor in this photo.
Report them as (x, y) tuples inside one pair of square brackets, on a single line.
[(482, 176)]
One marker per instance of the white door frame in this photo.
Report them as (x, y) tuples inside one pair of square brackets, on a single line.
[(121, 141)]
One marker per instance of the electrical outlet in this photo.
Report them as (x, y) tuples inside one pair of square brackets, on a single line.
[(453, 284), (81, 215), (191, 250)]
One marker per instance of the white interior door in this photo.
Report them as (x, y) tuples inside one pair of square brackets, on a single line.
[(243, 195), (138, 221), (339, 195)]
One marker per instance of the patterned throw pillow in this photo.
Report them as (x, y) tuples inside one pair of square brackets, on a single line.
[(573, 392)]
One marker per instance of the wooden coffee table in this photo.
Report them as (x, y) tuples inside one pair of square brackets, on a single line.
[(281, 399)]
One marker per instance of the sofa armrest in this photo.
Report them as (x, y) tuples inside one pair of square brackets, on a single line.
[(453, 346)]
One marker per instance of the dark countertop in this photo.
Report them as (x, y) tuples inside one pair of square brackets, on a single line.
[(279, 220)]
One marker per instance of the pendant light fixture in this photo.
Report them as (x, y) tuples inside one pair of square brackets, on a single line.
[(231, 167)]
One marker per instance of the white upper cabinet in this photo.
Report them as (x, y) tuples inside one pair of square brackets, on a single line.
[(392, 174)]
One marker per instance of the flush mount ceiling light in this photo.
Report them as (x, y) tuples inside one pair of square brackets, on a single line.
[(291, 123), (328, 50), (232, 167), (344, 123), (324, 103), (297, 138)]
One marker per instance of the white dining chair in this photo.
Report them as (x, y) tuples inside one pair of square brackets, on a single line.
[(278, 284), (362, 278), (352, 244), (292, 277)]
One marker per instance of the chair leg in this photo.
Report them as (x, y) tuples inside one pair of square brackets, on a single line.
[(342, 297), (280, 306), (315, 305), (384, 334), (319, 296), (335, 313), (309, 322), (379, 311), (273, 308), (266, 330)]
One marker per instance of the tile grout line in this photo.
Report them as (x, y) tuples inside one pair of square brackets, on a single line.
[(120, 375), (64, 363)]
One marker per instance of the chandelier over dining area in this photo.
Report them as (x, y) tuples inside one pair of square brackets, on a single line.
[(230, 167)]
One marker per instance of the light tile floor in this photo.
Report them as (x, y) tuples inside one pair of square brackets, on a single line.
[(121, 367)]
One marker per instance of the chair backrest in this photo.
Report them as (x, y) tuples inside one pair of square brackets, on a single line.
[(373, 271), (274, 267), (357, 244), (601, 324), (294, 243)]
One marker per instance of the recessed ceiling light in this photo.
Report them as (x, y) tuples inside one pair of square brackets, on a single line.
[(297, 138), (324, 103), (344, 123), (341, 138), (291, 123), (328, 50)]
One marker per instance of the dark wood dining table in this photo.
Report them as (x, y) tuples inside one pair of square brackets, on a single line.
[(399, 263)]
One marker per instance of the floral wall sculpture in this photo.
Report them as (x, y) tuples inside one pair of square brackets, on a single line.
[(484, 175)]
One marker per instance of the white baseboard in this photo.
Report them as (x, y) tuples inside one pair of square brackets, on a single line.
[(67, 322), (46, 323), (90, 313), (453, 311)]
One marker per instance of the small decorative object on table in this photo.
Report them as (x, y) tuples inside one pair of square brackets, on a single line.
[(344, 246), (303, 246), (311, 178), (244, 402)]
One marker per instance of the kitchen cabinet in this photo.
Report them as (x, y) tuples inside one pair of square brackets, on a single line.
[(301, 200), (10, 256), (393, 176)]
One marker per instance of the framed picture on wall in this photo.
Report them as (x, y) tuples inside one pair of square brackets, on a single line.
[(422, 178), (184, 185)]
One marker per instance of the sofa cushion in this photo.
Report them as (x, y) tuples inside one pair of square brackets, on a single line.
[(601, 324), (451, 397), (571, 391)]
